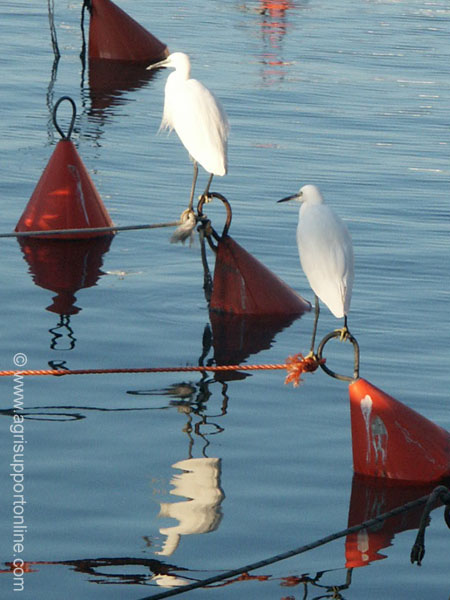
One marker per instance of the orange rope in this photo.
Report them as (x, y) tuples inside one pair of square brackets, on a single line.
[(138, 370), (295, 365)]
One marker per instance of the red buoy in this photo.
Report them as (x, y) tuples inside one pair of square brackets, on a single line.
[(243, 285), (113, 34), (65, 196), (393, 441)]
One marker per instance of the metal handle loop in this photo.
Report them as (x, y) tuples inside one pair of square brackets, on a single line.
[(72, 122), (226, 227), (350, 338)]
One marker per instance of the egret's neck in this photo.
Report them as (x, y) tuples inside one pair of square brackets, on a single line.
[(181, 73), (315, 200)]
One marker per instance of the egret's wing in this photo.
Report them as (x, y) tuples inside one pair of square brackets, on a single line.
[(169, 101), (200, 122), (326, 255)]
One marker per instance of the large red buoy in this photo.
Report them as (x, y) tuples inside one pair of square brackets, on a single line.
[(243, 285), (65, 196), (113, 34), (393, 441)]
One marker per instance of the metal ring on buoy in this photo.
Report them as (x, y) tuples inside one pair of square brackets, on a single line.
[(212, 231), (72, 122), (350, 338)]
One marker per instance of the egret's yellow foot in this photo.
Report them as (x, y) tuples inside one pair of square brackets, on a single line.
[(344, 333)]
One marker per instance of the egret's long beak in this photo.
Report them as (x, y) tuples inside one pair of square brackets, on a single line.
[(293, 197), (158, 65)]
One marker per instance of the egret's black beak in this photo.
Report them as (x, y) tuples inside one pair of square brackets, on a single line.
[(293, 197)]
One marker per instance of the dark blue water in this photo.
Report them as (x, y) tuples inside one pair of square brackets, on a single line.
[(353, 97)]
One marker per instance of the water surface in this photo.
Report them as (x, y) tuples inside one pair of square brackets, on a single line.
[(353, 97)]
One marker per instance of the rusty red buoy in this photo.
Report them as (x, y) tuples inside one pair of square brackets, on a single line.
[(243, 285), (65, 196), (114, 35), (392, 441)]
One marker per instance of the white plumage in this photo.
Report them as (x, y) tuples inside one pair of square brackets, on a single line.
[(326, 251), (197, 117), (326, 254)]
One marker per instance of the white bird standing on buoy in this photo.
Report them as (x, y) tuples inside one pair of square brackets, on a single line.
[(197, 117), (326, 254)]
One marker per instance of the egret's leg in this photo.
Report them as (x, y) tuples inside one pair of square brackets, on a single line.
[(206, 192), (194, 181), (316, 318), (344, 331)]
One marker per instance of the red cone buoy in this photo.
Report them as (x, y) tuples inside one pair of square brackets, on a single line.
[(393, 441), (65, 196), (113, 34), (243, 285)]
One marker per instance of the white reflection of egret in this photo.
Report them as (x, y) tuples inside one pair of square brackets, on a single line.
[(199, 483), (197, 117), (170, 581)]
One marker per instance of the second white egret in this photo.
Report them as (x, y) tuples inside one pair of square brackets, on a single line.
[(197, 117), (326, 254)]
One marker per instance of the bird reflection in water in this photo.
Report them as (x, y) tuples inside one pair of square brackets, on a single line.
[(199, 480), (200, 512)]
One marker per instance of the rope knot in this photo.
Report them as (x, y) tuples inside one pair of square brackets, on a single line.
[(298, 364), (185, 230)]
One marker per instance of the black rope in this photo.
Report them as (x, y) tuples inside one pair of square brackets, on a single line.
[(51, 20), (205, 223), (442, 494), (87, 5), (290, 553), (83, 230), (207, 279)]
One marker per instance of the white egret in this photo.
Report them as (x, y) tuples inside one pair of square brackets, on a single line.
[(197, 117), (326, 254)]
